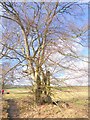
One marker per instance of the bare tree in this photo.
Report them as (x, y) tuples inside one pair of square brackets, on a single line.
[(41, 38), (7, 75)]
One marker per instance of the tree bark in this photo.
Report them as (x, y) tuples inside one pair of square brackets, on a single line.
[(48, 81), (38, 90), (42, 91)]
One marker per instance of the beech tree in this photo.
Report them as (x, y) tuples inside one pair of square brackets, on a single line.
[(41, 38)]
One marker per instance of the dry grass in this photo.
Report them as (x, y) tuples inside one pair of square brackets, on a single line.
[(63, 110), (4, 110), (73, 103)]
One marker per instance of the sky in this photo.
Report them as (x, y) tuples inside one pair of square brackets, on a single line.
[(79, 1), (83, 51)]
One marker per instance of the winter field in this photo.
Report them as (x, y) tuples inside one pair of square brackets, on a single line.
[(69, 102)]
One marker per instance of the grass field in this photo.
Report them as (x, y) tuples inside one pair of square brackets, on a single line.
[(73, 103)]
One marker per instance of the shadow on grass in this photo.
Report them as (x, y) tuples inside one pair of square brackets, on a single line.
[(13, 111)]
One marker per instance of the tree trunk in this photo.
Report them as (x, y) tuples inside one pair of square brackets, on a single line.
[(38, 90), (48, 81), (46, 98), (42, 91)]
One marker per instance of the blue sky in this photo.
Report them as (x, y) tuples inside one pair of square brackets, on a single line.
[(80, 22)]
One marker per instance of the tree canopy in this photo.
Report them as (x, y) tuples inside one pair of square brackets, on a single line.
[(42, 37)]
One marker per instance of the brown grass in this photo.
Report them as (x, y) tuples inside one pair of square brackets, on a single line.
[(73, 104)]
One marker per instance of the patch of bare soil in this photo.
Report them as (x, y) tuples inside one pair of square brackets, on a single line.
[(13, 111)]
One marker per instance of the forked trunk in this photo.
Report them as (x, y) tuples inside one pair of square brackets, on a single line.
[(42, 92)]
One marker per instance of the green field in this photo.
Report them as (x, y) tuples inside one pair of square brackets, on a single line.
[(73, 103)]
